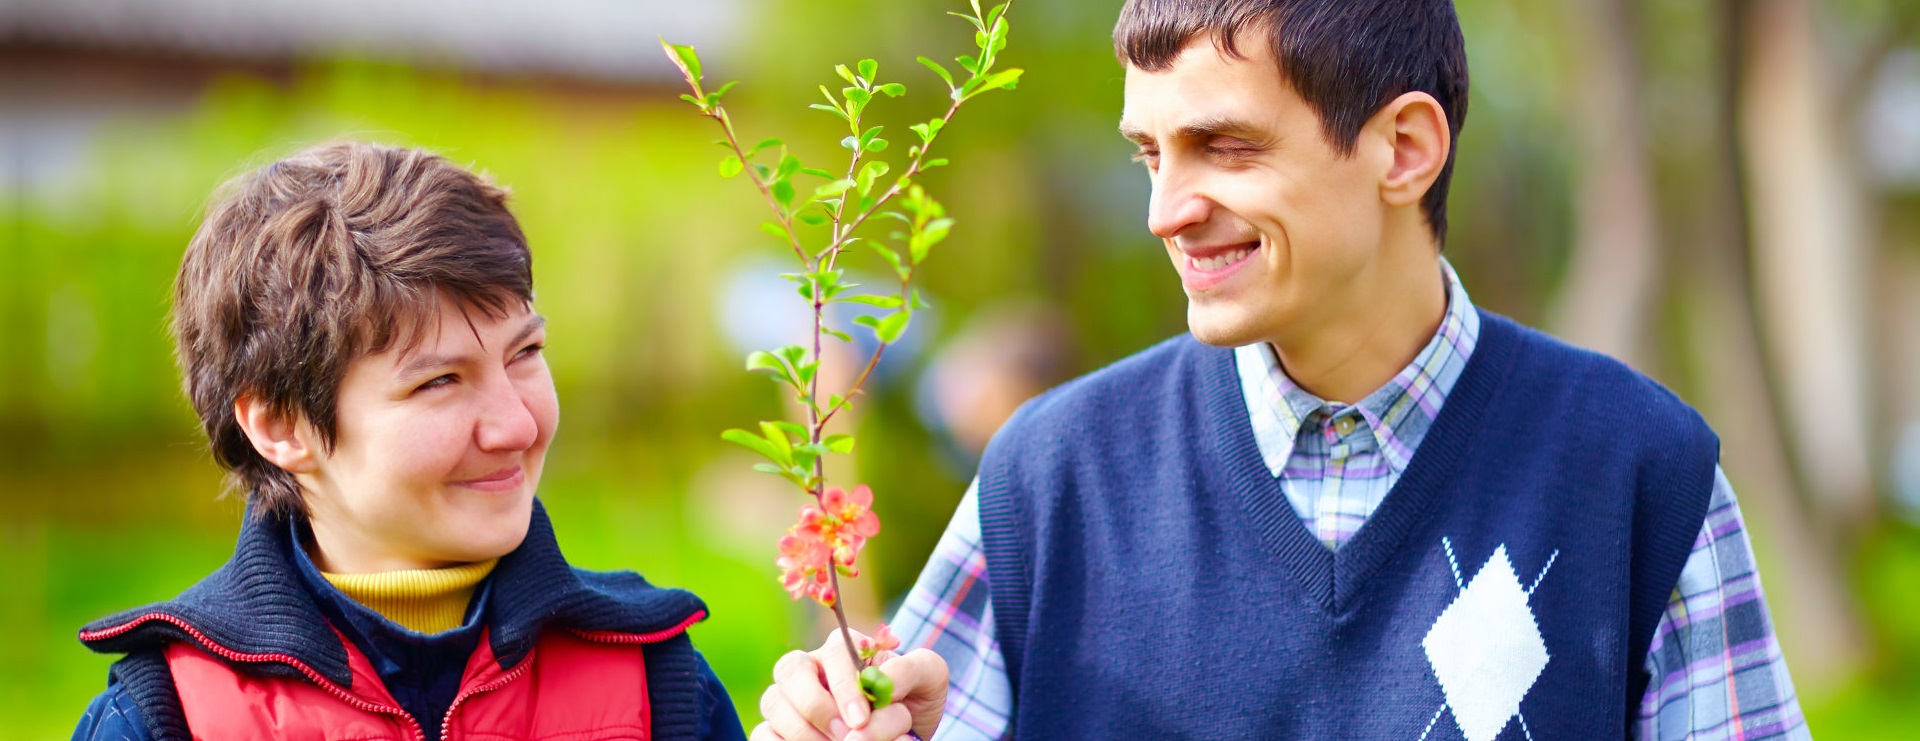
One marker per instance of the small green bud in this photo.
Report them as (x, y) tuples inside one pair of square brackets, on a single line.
[(877, 686)]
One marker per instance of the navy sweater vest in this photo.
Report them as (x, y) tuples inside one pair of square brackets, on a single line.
[(1149, 579)]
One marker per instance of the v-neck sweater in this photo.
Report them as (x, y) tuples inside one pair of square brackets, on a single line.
[(1545, 458)]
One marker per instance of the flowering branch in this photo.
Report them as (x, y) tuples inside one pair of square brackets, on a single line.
[(825, 543)]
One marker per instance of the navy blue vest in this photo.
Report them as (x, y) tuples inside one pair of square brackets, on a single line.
[(1149, 579)]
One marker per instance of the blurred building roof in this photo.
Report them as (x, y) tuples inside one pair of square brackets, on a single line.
[(603, 40)]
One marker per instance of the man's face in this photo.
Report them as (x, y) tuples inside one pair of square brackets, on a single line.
[(438, 448), (1270, 227)]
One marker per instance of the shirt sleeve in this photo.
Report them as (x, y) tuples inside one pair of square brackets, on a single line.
[(112, 717), (1716, 670), (718, 720), (948, 611)]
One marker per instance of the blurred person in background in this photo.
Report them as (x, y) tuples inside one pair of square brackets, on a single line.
[(356, 328), (1350, 504), (1005, 355)]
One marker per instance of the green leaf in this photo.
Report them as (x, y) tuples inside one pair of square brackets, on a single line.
[(968, 63), (994, 14), (690, 99), (684, 58), (788, 166), (778, 437), (938, 70), (869, 68), (764, 144), (873, 171), (851, 142), (845, 74), (1004, 79), (837, 334), (830, 109), (812, 218), (933, 163), (775, 230), (757, 444), (782, 192), (833, 189), (892, 257), (888, 328), (920, 303), (932, 234), (730, 166), (792, 428), (877, 145), (893, 89), (839, 443), (884, 302), (760, 360), (856, 98)]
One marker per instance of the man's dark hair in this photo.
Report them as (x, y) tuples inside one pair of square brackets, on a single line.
[(1346, 58)]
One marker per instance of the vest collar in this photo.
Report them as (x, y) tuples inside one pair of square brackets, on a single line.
[(254, 613)]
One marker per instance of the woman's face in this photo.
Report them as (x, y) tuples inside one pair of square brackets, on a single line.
[(438, 448)]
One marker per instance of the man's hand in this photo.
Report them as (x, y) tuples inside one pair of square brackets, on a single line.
[(816, 696)]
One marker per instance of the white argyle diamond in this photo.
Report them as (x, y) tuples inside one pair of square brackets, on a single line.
[(1486, 650)]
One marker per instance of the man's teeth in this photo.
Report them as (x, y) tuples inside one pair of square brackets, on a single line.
[(1222, 260)]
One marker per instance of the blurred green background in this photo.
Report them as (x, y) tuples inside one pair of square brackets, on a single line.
[(1725, 193)]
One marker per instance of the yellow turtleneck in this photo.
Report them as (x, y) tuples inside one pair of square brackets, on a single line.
[(420, 600)]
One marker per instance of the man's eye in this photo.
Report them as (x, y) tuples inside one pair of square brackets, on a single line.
[(531, 350), (1148, 157), (444, 380)]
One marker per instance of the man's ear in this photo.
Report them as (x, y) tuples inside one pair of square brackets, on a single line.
[(278, 438), (1415, 127)]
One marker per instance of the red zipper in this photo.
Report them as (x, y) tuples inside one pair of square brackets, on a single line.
[(614, 636), (232, 655), (446, 723), (598, 636)]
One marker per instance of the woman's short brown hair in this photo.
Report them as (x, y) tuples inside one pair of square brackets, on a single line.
[(304, 265)]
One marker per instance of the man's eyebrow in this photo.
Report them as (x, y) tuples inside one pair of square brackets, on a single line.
[(422, 363), (1202, 128)]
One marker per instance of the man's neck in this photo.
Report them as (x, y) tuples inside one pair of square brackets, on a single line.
[(1365, 343)]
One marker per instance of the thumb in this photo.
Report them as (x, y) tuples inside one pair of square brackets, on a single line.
[(920, 684)]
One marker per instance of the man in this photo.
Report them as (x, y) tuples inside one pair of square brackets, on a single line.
[(1350, 505)]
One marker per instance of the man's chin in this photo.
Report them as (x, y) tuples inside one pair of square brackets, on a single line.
[(1221, 326)]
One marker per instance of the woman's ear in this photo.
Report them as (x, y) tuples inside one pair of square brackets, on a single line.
[(1415, 126), (279, 438)]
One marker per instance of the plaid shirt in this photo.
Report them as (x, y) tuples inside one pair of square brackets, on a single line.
[(1717, 670)]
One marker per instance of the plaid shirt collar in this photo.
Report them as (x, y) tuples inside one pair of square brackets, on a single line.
[(1398, 414)]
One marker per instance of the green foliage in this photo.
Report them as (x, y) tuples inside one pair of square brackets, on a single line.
[(844, 204)]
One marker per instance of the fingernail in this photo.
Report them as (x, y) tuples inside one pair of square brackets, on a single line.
[(837, 729), (856, 713)]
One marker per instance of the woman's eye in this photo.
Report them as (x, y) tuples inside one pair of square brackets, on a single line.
[(445, 380), (531, 350)]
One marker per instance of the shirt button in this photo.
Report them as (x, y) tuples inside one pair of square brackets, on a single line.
[(1343, 426)]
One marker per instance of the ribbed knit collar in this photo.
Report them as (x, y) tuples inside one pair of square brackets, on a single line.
[(257, 605)]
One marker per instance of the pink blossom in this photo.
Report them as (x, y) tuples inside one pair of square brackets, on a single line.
[(882, 640)]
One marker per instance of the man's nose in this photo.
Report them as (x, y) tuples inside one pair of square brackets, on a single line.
[(1176, 203)]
